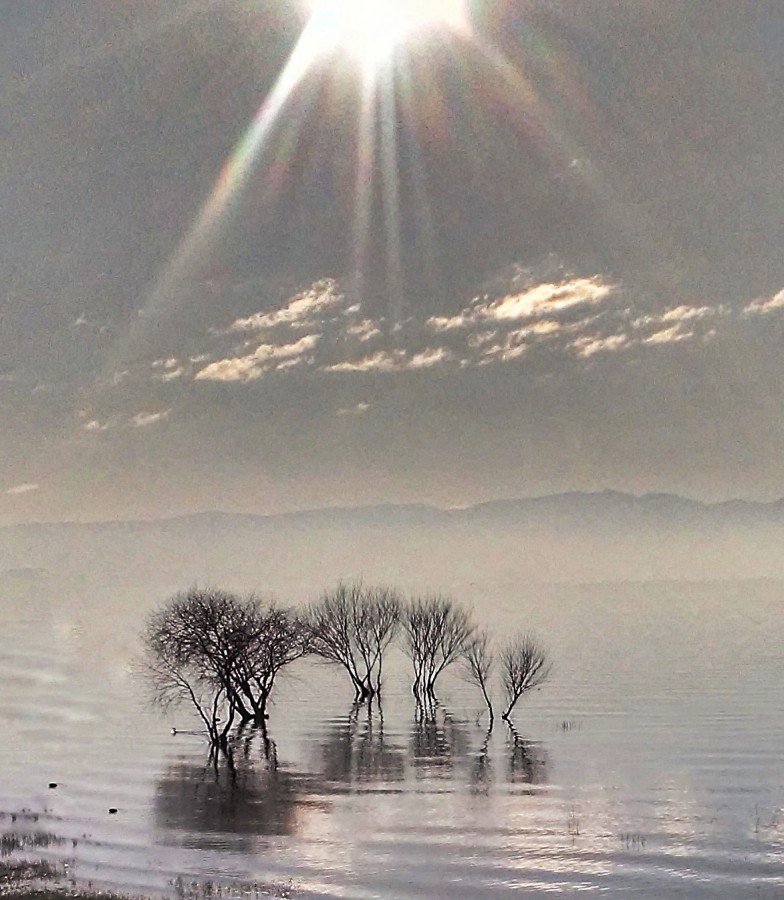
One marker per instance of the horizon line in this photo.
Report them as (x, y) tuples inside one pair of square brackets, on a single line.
[(304, 511)]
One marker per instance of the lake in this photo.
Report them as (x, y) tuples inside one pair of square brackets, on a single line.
[(650, 765)]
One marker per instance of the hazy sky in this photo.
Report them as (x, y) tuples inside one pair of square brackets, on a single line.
[(249, 270)]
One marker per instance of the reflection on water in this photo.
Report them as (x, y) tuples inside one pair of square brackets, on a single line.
[(356, 750), (527, 760), (253, 793), (438, 743), (646, 780), (482, 770), (250, 798)]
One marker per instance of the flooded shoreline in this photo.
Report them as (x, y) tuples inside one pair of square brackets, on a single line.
[(650, 766)]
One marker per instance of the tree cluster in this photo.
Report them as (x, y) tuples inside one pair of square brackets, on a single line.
[(223, 653)]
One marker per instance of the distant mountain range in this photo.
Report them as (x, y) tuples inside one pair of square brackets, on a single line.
[(572, 509), (607, 535)]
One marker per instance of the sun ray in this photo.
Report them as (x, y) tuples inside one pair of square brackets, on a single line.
[(377, 27), (384, 102), (365, 176), (390, 180), (424, 208), (234, 175), (549, 128)]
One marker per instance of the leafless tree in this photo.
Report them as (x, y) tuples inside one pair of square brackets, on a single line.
[(273, 638), (479, 660), (175, 679), (437, 632), (383, 622), (524, 666), (222, 654), (352, 626), (187, 657)]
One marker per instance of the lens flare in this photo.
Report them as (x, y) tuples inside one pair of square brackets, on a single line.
[(370, 30)]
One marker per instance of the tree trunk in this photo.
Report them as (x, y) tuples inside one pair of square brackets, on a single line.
[(260, 710)]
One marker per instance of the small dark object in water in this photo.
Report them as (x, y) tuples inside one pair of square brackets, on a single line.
[(112, 810), (52, 785)]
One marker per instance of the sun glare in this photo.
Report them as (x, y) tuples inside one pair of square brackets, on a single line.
[(370, 30)]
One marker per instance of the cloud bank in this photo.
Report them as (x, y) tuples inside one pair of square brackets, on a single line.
[(325, 329)]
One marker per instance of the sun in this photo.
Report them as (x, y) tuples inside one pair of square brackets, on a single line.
[(370, 30)]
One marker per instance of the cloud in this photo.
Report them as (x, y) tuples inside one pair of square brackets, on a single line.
[(523, 317), (356, 410), (145, 419), (688, 313), (764, 307), (580, 315), (430, 357), (394, 361), (679, 314), (588, 346), (171, 375), (671, 326), (493, 328), (537, 301), (302, 311), (382, 361), (365, 330), (673, 335), (512, 347), (87, 324), (20, 489), (265, 358), (549, 299), (95, 426)]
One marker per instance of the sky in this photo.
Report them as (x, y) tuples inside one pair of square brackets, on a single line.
[(249, 264)]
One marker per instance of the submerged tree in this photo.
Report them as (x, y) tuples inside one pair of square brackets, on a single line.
[(221, 653), (479, 662), (178, 677), (274, 638), (524, 666), (437, 632), (352, 626)]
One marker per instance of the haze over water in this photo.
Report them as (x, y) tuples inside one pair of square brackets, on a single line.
[(649, 765)]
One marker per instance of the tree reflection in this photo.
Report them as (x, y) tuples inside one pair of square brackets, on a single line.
[(482, 768), (247, 795), (527, 760), (356, 749), (437, 741)]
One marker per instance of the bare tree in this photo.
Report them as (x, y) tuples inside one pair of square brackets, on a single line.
[(437, 632), (188, 657), (385, 609), (222, 654), (524, 666), (352, 626), (176, 679), (273, 638), (479, 660)]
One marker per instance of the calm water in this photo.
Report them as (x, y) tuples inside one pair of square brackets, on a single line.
[(650, 765)]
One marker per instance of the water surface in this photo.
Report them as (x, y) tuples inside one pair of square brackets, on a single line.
[(649, 766)]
